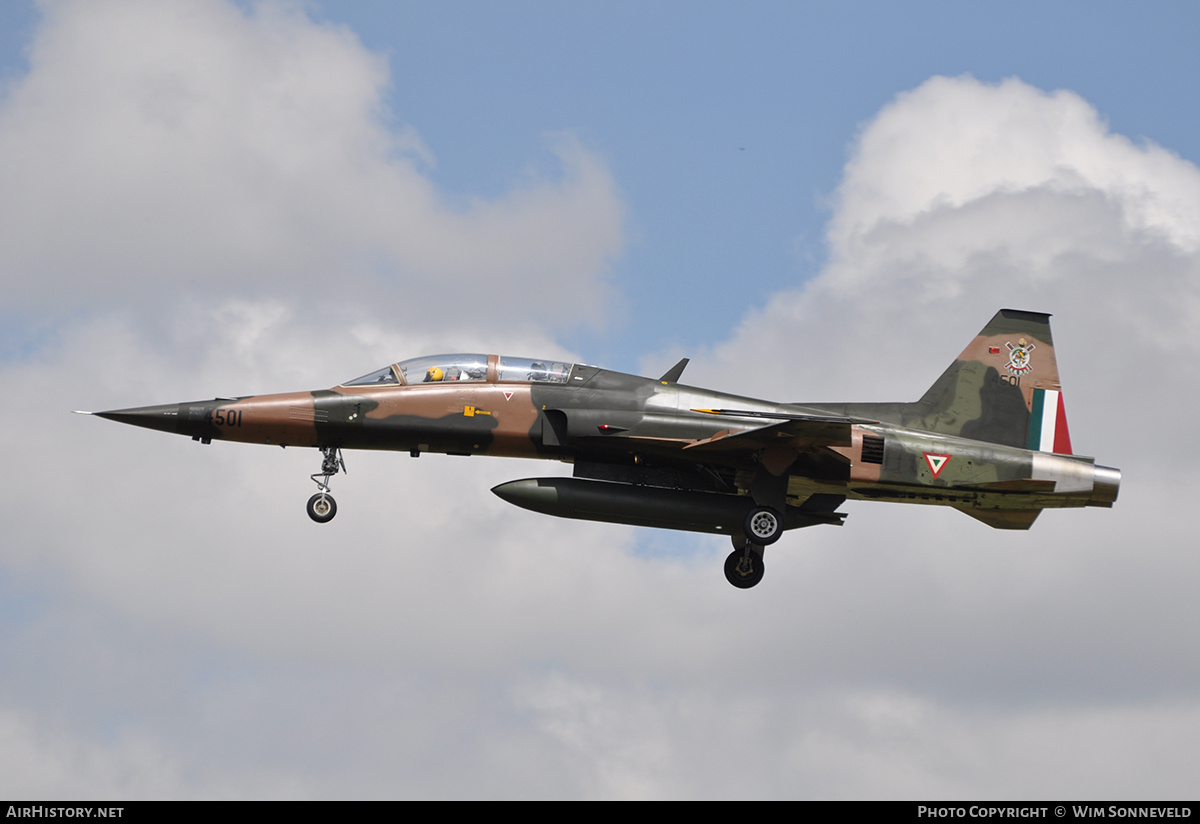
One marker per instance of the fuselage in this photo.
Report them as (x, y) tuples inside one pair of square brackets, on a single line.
[(656, 433), (989, 438)]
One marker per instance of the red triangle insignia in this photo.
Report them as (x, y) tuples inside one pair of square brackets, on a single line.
[(936, 462)]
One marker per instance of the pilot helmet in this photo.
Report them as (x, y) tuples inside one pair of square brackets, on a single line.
[(434, 374)]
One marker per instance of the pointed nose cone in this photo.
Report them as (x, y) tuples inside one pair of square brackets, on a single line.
[(164, 417)]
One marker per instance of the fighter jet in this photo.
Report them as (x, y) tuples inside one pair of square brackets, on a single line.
[(989, 438)]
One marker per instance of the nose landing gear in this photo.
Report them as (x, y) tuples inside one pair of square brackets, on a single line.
[(322, 507)]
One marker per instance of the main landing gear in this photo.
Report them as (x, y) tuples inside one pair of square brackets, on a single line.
[(322, 507), (763, 525), (744, 566)]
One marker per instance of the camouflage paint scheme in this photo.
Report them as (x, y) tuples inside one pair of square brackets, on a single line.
[(988, 438)]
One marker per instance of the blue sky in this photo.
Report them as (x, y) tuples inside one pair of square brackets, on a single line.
[(813, 201), (726, 125)]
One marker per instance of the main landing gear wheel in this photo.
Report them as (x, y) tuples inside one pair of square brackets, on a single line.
[(744, 568), (763, 525), (322, 507)]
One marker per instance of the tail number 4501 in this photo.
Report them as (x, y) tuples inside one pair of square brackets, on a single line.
[(227, 417)]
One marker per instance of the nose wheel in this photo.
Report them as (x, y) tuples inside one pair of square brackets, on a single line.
[(322, 507)]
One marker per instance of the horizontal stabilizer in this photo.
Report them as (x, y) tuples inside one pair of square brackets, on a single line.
[(1003, 518), (1019, 485)]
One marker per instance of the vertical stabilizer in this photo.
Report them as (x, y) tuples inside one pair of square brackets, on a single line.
[(1003, 388)]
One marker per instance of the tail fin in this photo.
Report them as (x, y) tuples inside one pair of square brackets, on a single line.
[(1003, 388)]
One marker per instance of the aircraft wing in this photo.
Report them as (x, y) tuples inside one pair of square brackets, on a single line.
[(794, 429), (782, 441), (795, 433), (785, 416), (787, 434)]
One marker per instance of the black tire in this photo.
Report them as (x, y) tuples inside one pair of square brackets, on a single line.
[(744, 572), (322, 507), (763, 525)]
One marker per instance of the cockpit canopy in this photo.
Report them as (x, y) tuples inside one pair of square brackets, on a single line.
[(442, 368), (540, 371), (435, 368)]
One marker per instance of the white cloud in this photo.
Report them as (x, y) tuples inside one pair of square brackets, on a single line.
[(962, 197), (39, 762), (188, 146), (952, 142)]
